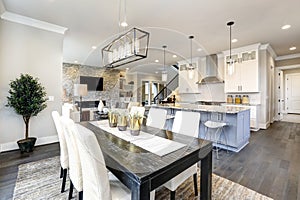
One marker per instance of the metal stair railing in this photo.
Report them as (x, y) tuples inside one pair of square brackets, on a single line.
[(167, 90)]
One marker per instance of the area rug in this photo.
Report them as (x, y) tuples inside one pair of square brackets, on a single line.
[(40, 180)]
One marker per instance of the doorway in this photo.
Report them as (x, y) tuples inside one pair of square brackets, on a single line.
[(292, 93), (281, 84), (149, 90)]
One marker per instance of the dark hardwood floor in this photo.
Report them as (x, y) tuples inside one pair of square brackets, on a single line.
[(9, 162), (269, 164)]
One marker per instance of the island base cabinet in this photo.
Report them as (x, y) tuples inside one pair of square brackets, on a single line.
[(237, 130)]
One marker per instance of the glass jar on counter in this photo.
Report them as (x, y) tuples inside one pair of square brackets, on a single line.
[(237, 99), (245, 99), (230, 99)]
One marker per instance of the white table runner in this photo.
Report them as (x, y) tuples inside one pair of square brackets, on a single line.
[(155, 144)]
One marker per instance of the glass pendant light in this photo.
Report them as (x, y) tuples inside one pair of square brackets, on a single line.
[(230, 62), (191, 68), (164, 75)]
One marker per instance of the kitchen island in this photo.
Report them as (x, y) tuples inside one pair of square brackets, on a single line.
[(237, 119)]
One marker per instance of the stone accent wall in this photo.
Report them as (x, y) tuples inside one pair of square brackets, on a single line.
[(72, 72)]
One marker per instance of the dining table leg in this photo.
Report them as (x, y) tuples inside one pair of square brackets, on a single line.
[(140, 191), (206, 175)]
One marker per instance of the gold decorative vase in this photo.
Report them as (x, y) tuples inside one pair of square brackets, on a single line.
[(122, 122), (135, 123), (112, 119)]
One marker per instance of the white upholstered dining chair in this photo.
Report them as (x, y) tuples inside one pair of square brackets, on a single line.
[(131, 104), (64, 157), (156, 118), (137, 109), (186, 123), (97, 184), (75, 172)]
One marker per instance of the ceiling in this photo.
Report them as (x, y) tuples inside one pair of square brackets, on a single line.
[(170, 22)]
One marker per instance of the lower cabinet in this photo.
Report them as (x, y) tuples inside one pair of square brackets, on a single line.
[(237, 130)]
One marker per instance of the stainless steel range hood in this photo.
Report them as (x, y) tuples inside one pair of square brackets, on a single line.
[(211, 71)]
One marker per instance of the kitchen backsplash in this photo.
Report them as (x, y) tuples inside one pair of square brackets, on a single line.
[(207, 92)]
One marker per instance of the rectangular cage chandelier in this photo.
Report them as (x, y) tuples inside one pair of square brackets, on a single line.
[(128, 47)]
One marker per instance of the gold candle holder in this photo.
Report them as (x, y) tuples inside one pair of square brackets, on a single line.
[(135, 123), (112, 119), (122, 122)]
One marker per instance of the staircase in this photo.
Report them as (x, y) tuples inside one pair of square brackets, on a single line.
[(167, 90)]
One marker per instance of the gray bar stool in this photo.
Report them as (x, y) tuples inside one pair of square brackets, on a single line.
[(216, 136)]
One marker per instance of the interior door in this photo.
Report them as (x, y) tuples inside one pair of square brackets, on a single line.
[(293, 93)]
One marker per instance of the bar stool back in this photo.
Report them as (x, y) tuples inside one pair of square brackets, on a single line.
[(215, 136)]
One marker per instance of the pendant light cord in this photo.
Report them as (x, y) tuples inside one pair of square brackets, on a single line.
[(191, 64), (164, 47), (230, 42), (230, 24), (125, 19), (120, 13), (119, 25)]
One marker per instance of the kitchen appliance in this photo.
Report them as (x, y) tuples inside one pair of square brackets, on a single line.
[(211, 67)]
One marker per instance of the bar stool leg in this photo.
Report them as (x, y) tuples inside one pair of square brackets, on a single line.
[(225, 139), (217, 141)]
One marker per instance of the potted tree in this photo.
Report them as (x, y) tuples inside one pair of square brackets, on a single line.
[(28, 97)]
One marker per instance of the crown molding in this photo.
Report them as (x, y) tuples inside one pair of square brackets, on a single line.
[(9, 16), (242, 49), (269, 49), (286, 57)]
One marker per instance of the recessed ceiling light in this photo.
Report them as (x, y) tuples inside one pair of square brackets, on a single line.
[(94, 47), (293, 48), (124, 24), (174, 56), (287, 26), (234, 40), (199, 49), (75, 61), (156, 72), (127, 68), (156, 61)]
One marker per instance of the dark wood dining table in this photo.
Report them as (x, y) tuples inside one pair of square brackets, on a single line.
[(142, 171)]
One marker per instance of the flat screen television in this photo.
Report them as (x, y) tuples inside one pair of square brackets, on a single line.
[(93, 83)]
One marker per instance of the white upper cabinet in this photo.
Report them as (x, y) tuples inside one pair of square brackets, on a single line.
[(187, 77), (245, 77)]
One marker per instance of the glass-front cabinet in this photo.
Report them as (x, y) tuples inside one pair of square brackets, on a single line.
[(244, 75)]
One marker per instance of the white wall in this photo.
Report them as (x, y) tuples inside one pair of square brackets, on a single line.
[(24, 49), (2, 9), (266, 72)]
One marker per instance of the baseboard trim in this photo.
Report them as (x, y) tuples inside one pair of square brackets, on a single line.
[(264, 125), (40, 141)]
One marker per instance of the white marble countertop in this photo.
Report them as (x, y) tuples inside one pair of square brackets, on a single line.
[(204, 108)]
